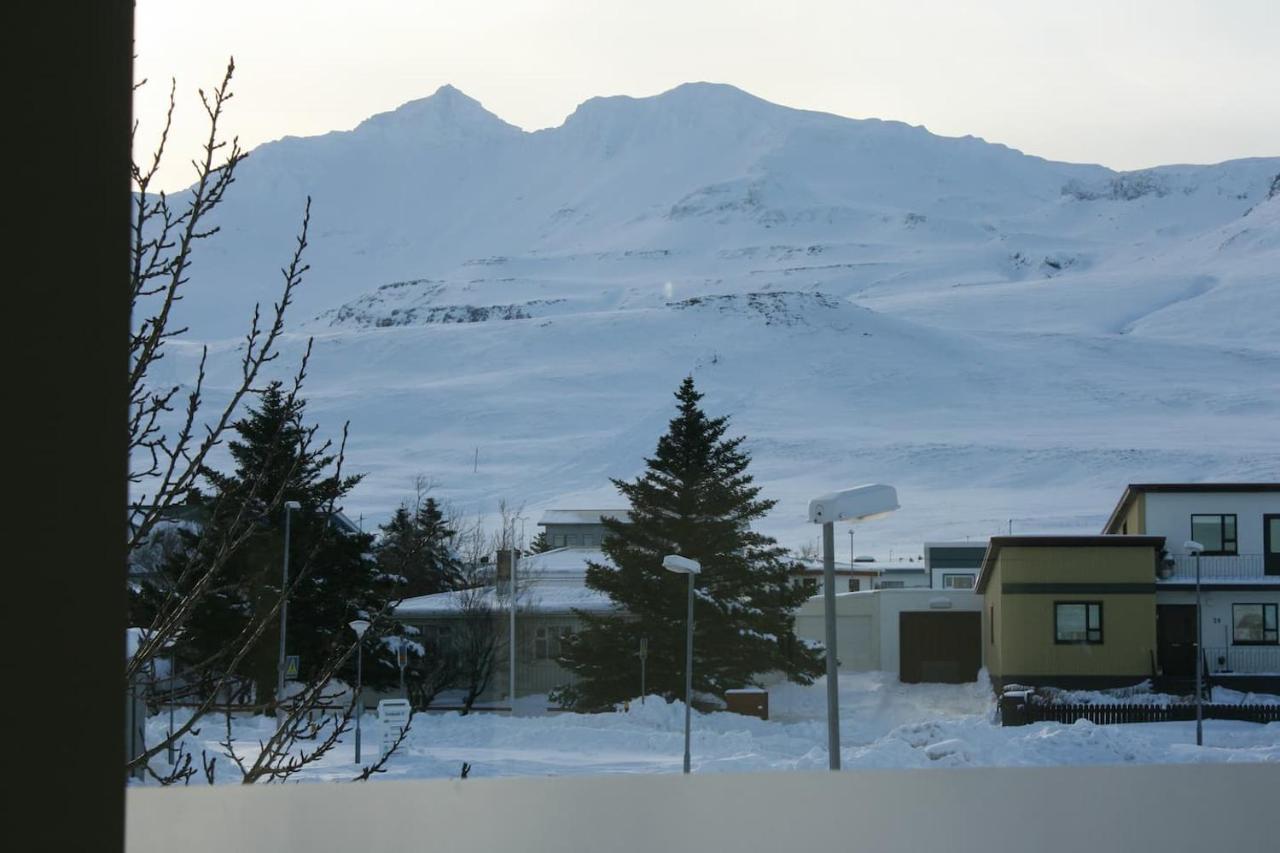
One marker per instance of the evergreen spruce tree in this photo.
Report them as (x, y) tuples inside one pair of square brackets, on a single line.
[(540, 543), (335, 580), (695, 499), (415, 546)]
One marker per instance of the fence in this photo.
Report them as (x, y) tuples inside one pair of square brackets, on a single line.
[(1232, 566), (1035, 712), (1242, 660)]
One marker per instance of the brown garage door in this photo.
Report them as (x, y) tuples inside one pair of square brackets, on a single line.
[(945, 647)]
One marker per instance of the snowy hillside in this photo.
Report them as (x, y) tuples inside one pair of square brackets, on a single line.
[(999, 335)]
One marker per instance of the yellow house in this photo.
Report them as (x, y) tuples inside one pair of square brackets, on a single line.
[(1069, 611)]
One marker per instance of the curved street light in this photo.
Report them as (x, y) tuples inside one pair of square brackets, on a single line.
[(860, 503), (684, 566), (359, 626)]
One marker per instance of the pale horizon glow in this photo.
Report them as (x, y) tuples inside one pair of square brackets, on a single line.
[(1128, 85)]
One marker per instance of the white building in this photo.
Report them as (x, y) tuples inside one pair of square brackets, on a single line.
[(954, 565), (1239, 526), (550, 593), (921, 634)]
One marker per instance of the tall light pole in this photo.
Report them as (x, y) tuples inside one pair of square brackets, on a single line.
[(359, 626), (512, 556), (1193, 547), (685, 566), (289, 507), (860, 503)]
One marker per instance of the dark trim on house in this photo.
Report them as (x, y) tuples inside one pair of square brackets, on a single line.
[(1210, 585), (1078, 588), (1132, 491), (1155, 543)]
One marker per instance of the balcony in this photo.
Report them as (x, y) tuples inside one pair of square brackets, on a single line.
[(1236, 567), (1243, 660)]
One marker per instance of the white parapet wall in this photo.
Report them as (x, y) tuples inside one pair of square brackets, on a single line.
[(1194, 807)]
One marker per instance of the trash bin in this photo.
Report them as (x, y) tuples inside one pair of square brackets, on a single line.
[(751, 701)]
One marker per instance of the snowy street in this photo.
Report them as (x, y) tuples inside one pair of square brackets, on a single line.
[(884, 724)]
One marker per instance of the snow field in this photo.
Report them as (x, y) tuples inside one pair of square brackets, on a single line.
[(884, 724)]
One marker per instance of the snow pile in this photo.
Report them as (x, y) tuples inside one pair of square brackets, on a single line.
[(884, 724)]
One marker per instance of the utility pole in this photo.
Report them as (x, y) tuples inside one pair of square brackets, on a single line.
[(829, 613)]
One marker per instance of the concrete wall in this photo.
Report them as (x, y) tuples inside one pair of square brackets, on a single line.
[(857, 628), (1168, 514), (994, 810)]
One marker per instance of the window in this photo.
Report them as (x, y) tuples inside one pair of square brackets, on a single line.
[(1254, 624), (991, 619), (957, 581), (436, 637), (892, 584), (1217, 533), (1077, 622), (546, 641), (854, 584)]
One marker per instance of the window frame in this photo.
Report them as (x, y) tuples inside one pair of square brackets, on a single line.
[(1222, 533), (1088, 627), (1275, 622), (972, 579)]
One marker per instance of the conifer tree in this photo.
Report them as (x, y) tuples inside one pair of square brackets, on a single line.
[(415, 546), (276, 460), (696, 499), (540, 543)]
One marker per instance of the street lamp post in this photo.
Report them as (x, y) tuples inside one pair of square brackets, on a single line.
[(1193, 547), (289, 507), (359, 626), (860, 503), (685, 566)]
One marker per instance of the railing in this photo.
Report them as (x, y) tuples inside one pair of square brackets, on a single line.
[(1243, 660), (1233, 567), (1036, 712)]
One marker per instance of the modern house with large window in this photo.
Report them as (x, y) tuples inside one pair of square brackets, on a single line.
[(1119, 608), (1239, 526)]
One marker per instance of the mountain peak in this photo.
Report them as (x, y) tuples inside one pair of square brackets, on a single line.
[(447, 113)]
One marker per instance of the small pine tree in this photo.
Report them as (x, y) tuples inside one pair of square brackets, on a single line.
[(695, 499), (540, 543), (415, 547)]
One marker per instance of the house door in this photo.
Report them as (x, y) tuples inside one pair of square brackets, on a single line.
[(941, 647), (1271, 544), (1176, 644)]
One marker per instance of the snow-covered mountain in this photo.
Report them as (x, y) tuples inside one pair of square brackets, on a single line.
[(999, 335)]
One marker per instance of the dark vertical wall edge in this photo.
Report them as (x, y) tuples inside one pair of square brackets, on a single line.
[(66, 285)]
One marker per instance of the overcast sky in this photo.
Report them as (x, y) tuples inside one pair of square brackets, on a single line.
[(1125, 83)]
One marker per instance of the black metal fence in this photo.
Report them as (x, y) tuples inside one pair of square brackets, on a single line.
[(1014, 714)]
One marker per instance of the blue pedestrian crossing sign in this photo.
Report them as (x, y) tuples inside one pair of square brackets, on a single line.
[(291, 666)]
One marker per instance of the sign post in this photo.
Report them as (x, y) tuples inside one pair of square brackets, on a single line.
[(393, 717)]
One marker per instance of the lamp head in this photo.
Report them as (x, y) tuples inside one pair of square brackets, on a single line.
[(359, 626), (1192, 547), (681, 565), (860, 503), (294, 505)]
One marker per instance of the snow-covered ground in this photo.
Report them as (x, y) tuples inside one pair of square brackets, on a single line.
[(884, 723)]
